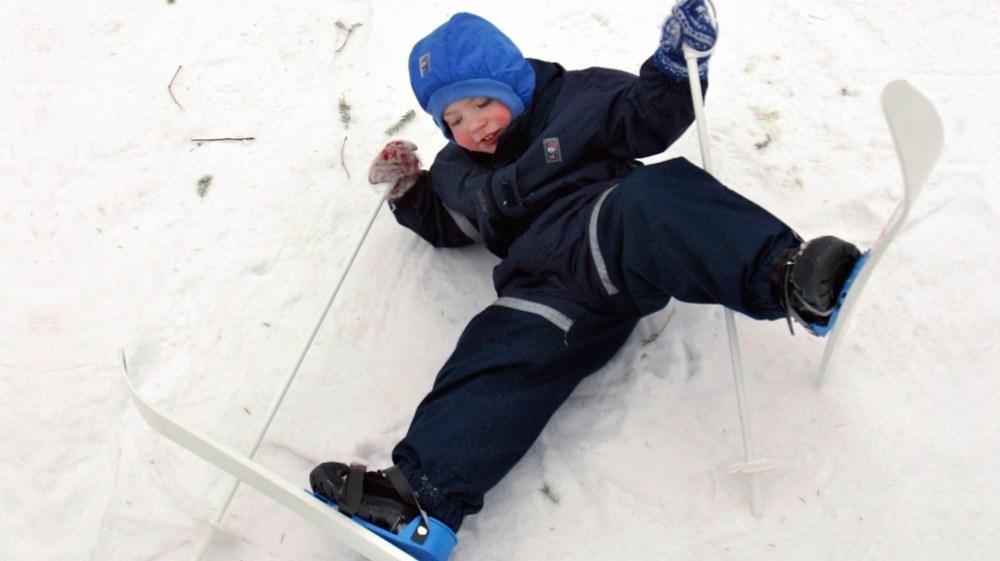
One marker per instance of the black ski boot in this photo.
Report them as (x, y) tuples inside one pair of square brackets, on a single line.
[(807, 280), (384, 503), (383, 498)]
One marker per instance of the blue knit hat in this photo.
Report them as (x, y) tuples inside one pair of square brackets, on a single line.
[(468, 56)]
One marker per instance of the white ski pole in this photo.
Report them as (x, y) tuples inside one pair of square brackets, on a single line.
[(207, 537), (750, 465)]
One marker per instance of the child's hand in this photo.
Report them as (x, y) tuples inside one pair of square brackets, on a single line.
[(696, 23), (398, 164), (690, 23)]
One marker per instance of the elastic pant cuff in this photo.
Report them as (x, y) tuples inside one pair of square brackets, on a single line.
[(434, 502)]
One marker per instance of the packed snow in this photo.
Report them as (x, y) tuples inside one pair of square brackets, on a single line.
[(209, 263)]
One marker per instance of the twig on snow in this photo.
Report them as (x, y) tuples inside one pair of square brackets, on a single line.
[(203, 185), (345, 112), (343, 162), (349, 29), (224, 139), (406, 118), (170, 87)]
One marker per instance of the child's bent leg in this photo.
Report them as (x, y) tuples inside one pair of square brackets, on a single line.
[(510, 371), (672, 230)]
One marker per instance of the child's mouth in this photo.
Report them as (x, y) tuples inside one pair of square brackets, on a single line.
[(490, 138)]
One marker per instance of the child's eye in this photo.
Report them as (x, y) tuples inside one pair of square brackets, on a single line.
[(454, 123), (484, 103)]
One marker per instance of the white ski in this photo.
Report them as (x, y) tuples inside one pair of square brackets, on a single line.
[(918, 136), (292, 496)]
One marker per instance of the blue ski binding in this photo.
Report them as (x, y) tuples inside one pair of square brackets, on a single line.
[(433, 543)]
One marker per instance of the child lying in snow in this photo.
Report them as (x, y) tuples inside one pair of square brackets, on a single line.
[(541, 166)]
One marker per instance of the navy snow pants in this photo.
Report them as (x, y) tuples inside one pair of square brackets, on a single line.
[(668, 230)]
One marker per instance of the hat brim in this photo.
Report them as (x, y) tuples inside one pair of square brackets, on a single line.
[(479, 87)]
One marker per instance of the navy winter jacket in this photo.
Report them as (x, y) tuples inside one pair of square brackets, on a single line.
[(582, 131)]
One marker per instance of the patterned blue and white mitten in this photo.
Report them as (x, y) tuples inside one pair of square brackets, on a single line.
[(690, 22)]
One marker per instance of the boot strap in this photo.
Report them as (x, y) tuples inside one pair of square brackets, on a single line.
[(402, 486), (354, 490)]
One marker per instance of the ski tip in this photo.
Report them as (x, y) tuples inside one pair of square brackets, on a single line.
[(917, 132)]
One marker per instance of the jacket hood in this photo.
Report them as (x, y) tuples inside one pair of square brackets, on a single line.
[(468, 56)]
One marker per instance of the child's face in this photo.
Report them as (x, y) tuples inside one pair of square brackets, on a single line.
[(476, 122)]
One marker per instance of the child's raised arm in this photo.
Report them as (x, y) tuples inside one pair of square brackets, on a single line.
[(653, 111)]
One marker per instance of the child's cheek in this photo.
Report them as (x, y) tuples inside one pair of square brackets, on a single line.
[(462, 139), (503, 117)]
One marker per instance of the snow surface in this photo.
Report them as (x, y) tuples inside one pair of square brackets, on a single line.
[(107, 244)]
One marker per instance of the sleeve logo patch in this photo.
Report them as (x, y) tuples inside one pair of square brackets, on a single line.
[(553, 154)]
